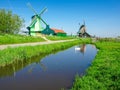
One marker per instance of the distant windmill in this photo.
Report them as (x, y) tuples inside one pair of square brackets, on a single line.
[(36, 25), (82, 31)]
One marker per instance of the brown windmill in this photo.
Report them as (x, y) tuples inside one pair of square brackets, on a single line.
[(82, 31)]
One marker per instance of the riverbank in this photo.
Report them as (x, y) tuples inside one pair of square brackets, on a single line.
[(104, 73), (10, 55)]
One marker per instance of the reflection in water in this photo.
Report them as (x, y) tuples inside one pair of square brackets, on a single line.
[(81, 48), (43, 66), (52, 72), (11, 69)]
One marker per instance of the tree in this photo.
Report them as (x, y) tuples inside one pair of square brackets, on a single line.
[(10, 23)]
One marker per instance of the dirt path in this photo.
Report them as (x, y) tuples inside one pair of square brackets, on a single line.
[(32, 44)]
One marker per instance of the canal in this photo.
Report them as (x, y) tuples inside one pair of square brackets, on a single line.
[(51, 72)]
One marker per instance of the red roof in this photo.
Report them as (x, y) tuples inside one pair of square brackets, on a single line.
[(57, 30)]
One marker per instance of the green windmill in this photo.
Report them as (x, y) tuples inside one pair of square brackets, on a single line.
[(36, 25)]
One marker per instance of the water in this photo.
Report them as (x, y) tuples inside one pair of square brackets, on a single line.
[(52, 72)]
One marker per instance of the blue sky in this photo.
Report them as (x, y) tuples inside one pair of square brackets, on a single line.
[(102, 17)]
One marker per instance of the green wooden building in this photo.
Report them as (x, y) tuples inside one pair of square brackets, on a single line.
[(53, 31), (35, 26)]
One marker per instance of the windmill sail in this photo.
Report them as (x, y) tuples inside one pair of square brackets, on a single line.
[(29, 5), (42, 11)]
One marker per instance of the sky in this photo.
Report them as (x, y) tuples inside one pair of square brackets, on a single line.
[(102, 17)]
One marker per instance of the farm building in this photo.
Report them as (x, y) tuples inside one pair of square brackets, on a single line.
[(58, 32), (53, 31)]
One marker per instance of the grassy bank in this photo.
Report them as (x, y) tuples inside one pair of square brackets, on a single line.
[(10, 69), (104, 73), (10, 55), (13, 39)]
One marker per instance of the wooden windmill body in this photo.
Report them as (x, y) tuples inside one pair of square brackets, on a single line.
[(82, 31)]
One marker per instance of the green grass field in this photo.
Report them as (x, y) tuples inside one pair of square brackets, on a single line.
[(104, 73), (13, 39)]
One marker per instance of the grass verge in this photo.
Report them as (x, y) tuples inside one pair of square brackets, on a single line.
[(54, 38)]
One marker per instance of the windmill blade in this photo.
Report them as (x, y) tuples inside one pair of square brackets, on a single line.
[(43, 21), (79, 27), (84, 22), (29, 5), (45, 9)]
